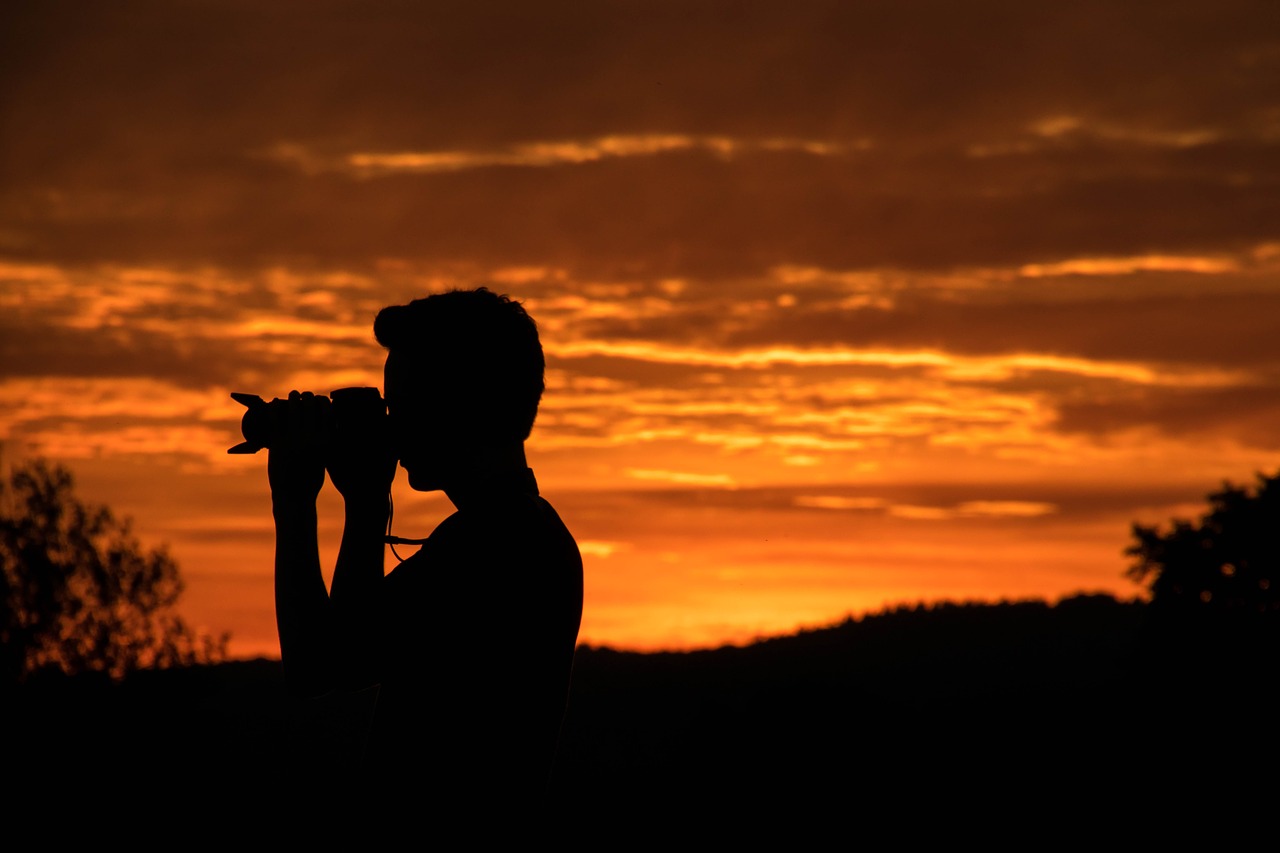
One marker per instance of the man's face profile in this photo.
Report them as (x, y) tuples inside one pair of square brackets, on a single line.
[(415, 429)]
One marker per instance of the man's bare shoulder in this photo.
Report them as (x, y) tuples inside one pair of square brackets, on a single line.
[(501, 536), (517, 572)]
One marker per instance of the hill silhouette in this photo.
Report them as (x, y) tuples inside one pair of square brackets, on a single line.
[(1064, 711)]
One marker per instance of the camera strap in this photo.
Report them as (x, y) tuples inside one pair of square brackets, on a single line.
[(400, 540)]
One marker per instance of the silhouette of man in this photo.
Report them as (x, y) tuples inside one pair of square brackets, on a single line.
[(471, 639)]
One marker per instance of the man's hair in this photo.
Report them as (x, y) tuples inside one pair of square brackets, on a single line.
[(481, 351)]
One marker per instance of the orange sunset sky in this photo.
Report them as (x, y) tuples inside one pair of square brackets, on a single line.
[(846, 304)]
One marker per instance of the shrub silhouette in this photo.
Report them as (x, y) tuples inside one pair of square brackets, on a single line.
[(78, 593), (1220, 575)]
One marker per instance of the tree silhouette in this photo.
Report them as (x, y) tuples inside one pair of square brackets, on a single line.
[(1221, 573), (78, 593)]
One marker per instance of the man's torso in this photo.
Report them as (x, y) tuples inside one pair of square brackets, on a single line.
[(480, 627)]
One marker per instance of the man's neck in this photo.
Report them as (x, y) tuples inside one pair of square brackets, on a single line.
[(502, 470)]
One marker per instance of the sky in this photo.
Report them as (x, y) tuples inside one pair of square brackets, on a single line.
[(846, 305)]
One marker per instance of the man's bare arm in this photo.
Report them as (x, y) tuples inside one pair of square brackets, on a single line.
[(355, 594), (295, 467), (304, 615), (361, 466), (328, 638)]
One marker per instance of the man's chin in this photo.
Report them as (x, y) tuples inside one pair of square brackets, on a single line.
[(420, 482)]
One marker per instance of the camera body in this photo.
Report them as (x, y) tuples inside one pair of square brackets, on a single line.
[(358, 414)]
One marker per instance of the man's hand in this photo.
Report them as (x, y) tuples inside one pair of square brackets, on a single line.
[(300, 427), (361, 459)]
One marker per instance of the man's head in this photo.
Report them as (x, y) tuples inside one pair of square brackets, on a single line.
[(464, 375)]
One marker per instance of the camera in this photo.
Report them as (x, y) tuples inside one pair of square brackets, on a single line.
[(358, 414)]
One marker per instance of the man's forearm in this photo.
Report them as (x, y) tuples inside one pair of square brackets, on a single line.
[(303, 611), (357, 581), (360, 557)]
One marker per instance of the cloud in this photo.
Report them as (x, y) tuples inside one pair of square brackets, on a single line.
[(684, 478), (601, 549), (40, 350), (646, 151), (1124, 266), (994, 366), (1248, 414), (682, 213), (542, 154), (921, 513), (838, 502), (1115, 332), (678, 380), (1012, 509)]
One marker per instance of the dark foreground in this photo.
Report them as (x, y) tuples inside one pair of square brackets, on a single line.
[(957, 719)]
